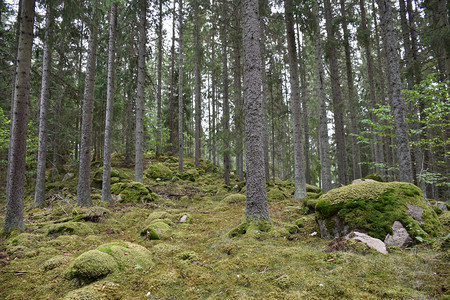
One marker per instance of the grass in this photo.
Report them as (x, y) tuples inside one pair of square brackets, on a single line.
[(198, 259)]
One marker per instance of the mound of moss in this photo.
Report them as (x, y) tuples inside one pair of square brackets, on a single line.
[(90, 266), (157, 230), (235, 198), (275, 194), (55, 262), (373, 207), (71, 228), (250, 226), (84, 293), (374, 176), (97, 176), (128, 256), (133, 192), (158, 170), (312, 189), (190, 174)]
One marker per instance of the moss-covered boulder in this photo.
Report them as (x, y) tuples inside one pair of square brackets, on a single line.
[(55, 262), (160, 171), (274, 194), (90, 266), (190, 174), (312, 189), (84, 293), (373, 207), (156, 231), (128, 256), (97, 177), (235, 198), (133, 192), (70, 228)]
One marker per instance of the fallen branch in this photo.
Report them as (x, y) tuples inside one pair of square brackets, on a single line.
[(3, 271)]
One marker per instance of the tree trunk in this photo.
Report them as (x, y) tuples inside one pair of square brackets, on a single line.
[(84, 176), (39, 196), (158, 96), (57, 115), (257, 205), (213, 95), (198, 83), (106, 185), (172, 88), (264, 99), (15, 185), (180, 88), (299, 155), (139, 155), (338, 103), (404, 157), (324, 146), (226, 105)]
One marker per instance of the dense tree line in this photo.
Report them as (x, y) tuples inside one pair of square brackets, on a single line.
[(329, 91)]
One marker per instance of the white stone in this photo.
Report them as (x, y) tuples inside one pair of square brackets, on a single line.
[(183, 219), (377, 244), (400, 237)]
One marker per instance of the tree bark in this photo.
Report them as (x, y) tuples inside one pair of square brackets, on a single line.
[(106, 185), (39, 196), (299, 154), (172, 88), (264, 99), (338, 103), (180, 88), (158, 96), (198, 83), (404, 156), (139, 154), (15, 185), (257, 206), (84, 176), (226, 105)]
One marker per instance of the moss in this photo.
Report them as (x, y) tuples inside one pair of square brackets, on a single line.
[(299, 223), (312, 189), (374, 176), (90, 266), (444, 218), (188, 255), (275, 194), (156, 231), (128, 256), (291, 228), (283, 281), (24, 240), (158, 170), (133, 192), (55, 262), (253, 226), (235, 198), (190, 174), (71, 228), (97, 176), (85, 293), (437, 210)]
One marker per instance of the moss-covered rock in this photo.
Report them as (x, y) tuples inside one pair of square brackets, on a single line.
[(158, 170), (250, 226), (373, 207), (190, 174), (97, 177), (55, 262), (444, 218), (90, 266), (156, 231), (312, 189), (275, 194), (235, 198), (128, 256), (71, 228), (374, 176), (133, 192), (84, 293)]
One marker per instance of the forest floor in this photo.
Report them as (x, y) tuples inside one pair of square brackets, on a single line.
[(195, 257)]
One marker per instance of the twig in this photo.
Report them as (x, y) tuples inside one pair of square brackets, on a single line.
[(3, 271)]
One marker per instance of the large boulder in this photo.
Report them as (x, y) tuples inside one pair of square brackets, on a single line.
[(160, 171), (133, 192), (373, 208)]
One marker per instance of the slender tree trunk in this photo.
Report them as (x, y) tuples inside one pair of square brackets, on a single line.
[(324, 146), (15, 185), (226, 106), (180, 88), (213, 96), (139, 155), (239, 116), (338, 103), (299, 154), (39, 196), (404, 157), (57, 116), (198, 83), (84, 176), (106, 185), (257, 206), (158, 96), (172, 88), (264, 99)]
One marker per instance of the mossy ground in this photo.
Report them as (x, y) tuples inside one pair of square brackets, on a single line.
[(198, 259)]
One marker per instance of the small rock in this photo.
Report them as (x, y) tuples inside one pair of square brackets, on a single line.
[(416, 212), (314, 233), (377, 244), (236, 188), (362, 181), (68, 176), (442, 206), (183, 219), (400, 237), (117, 198)]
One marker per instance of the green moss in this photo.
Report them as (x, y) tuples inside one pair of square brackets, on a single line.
[(85, 293), (133, 192), (437, 210), (190, 174), (253, 226), (299, 223), (235, 198), (156, 231), (71, 228), (291, 228), (275, 194), (55, 262), (188, 255), (128, 256), (444, 218), (97, 176), (374, 176), (90, 266), (158, 170), (312, 189)]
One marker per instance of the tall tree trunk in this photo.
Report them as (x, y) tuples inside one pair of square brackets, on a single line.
[(106, 185), (158, 96), (57, 115), (139, 155), (324, 146), (198, 83), (39, 196), (264, 99), (226, 105), (15, 185), (84, 176), (404, 156), (338, 103), (180, 88), (129, 128), (213, 95), (299, 155), (257, 206), (239, 116), (172, 88)]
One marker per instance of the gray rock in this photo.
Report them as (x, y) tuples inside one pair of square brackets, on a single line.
[(377, 244), (442, 206), (362, 181), (339, 229), (68, 176), (183, 219), (400, 237), (416, 212)]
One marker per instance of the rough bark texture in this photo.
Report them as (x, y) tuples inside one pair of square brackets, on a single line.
[(324, 152), (264, 99), (198, 102), (56, 164), (106, 185), (84, 175), (15, 185), (172, 88), (299, 154), (180, 88), (158, 95), (404, 157), (257, 206), (338, 103), (139, 154), (226, 105), (39, 196), (213, 93)]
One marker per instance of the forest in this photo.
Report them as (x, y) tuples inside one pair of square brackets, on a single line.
[(160, 149)]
